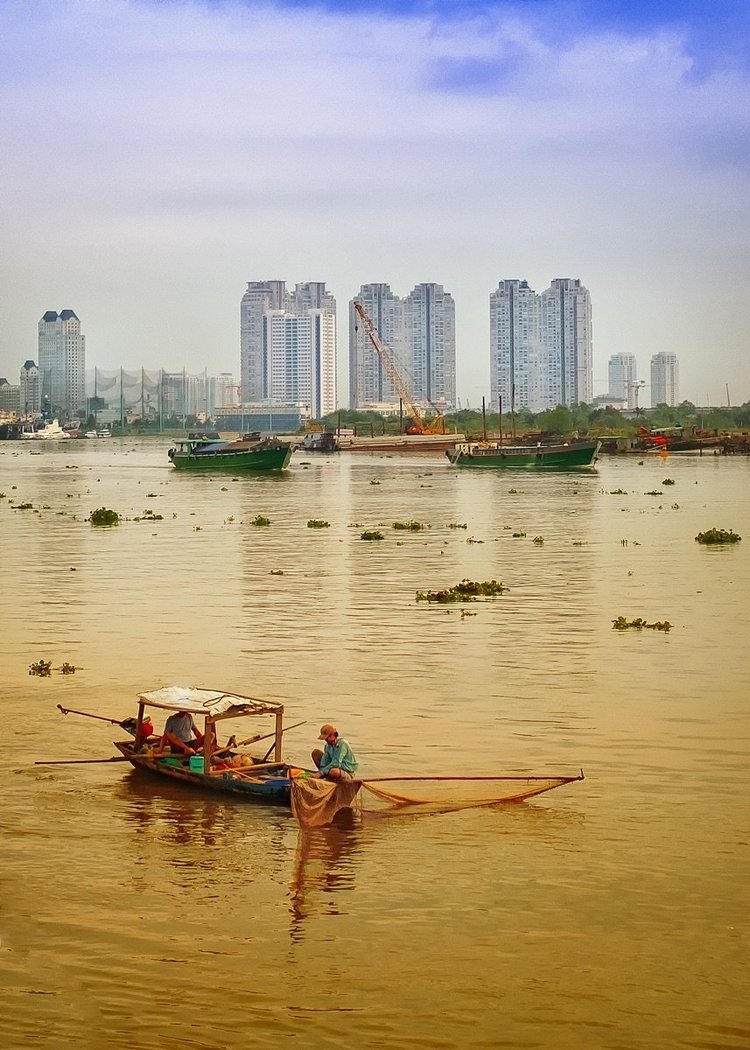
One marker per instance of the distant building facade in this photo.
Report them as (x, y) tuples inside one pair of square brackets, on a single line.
[(541, 346), (62, 363), (30, 389), (623, 375), (567, 364), (10, 398), (288, 344), (420, 333), (515, 346), (369, 380), (665, 380)]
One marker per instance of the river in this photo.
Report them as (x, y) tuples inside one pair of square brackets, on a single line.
[(611, 913)]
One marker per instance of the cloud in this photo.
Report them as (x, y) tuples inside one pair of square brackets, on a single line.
[(211, 143)]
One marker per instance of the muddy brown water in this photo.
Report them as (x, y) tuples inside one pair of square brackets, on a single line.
[(136, 913)]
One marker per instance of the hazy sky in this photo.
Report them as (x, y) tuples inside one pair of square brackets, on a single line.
[(158, 154)]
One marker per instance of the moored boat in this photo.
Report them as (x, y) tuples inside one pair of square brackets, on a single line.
[(251, 452), (579, 455)]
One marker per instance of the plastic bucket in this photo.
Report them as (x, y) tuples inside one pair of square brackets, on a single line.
[(196, 763)]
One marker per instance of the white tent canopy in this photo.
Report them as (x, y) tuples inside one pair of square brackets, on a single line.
[(207, 702)]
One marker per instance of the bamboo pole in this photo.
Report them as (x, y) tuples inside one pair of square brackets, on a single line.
[(278, 735), (519, 776), (79, 761), (87, 714)]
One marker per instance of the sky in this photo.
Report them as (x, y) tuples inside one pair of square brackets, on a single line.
[(158, 154)]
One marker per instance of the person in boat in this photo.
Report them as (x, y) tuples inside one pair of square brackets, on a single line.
[(336, 761), (181, 734)]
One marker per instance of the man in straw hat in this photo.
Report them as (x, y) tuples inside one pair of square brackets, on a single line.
[(336, 761)]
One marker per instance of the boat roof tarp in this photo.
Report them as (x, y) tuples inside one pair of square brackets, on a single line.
[(206, 701)]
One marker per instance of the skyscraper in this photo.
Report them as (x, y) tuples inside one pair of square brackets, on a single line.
[(62, 363), (259, 297), (288, 344), (665, 380), (567, 371), (515, 345), (31, 389), (430, 343), (369, 382), (623, 374)]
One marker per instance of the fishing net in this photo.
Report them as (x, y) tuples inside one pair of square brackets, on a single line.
[(316, 802)]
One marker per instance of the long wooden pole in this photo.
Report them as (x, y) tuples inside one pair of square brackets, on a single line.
[(80, 761), (87, 714), (520, 776)]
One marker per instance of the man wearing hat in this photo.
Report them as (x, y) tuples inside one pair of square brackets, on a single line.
[(336, 761)]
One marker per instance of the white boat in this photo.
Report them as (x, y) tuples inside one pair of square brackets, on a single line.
[(90, 434), (51, 432), (104, 433)]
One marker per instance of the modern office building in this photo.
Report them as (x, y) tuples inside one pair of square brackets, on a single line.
[(665, 380), (30, 389), (288, 344), (62, 364), (567, 364), (622, 379), (420, 333), (515, 347)]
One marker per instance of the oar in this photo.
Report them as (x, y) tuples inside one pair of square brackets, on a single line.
[(87, 714), (254, 740), (79, 761)]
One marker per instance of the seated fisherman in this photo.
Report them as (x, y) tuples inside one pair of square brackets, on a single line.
[(336, 761), (181, 733)]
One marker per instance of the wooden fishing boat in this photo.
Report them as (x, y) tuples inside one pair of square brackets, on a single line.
[(260, 779), (580, 455), (251, 452), (270, 779)]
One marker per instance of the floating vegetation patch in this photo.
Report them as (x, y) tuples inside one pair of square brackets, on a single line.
[(623, 624), (539, 540), (67, 668), (512, 492), (458, 525), (518, 535), (2, 495), (668, 481), (318, 523), (374, 482), (472, 539), (465, 591), (260, 521), (618, 492), (579, 543), (104, 516), (42, 668), (148, 515), (653, 492), (371, 534), (276, 572), (409, 526), (718, 536), (22, 506)]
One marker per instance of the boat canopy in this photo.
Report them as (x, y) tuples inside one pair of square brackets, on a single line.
[(207, 702)]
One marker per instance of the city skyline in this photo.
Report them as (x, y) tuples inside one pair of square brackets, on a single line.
[(535, 139)]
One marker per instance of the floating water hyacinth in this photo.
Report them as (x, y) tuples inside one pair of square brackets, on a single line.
[(718, 536), (104, 516), (465, 591)]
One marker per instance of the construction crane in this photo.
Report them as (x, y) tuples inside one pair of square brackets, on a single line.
[(419, 425), (635, 385)]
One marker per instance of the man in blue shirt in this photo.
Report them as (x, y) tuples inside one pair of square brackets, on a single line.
[(336, 761)]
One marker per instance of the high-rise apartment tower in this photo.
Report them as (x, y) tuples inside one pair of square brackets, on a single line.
[(62, 363), (665, 380)]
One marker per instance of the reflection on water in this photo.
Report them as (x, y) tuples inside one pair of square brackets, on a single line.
[(610, 913), (324, 869)]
